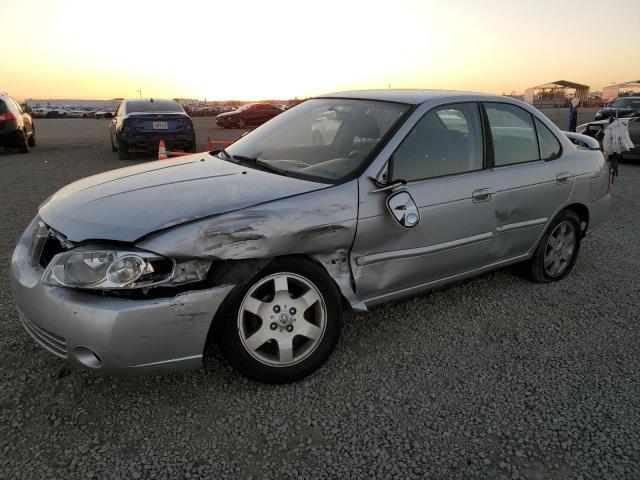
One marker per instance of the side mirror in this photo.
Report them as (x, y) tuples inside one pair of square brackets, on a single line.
[(404, 209)]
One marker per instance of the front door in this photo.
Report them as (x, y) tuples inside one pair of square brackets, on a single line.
[(442, 160)]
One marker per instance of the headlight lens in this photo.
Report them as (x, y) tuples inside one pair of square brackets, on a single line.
[(105, 269)]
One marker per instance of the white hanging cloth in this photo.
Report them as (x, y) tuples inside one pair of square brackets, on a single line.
[(616, 138)]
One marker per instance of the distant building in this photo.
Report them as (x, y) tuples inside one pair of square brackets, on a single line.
[(613, 91), (35, 102), (555, 94)]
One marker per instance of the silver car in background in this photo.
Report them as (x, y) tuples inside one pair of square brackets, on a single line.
[(262, 247)]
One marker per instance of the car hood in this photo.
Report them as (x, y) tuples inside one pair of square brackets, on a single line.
[(129, 203), (226, 114)]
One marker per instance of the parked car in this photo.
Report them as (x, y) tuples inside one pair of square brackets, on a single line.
[(249, 115), (142, 123), (596, 128), (621, 107), (47, 111), (105, 113), (78, 112), (262, 246), (16, 125)]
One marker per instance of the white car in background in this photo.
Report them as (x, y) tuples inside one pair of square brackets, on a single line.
[(77, 112), (105, 113)]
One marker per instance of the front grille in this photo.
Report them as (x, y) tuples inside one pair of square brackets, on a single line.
[(52, 342)]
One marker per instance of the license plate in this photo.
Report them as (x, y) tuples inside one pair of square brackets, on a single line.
[(160, 125)]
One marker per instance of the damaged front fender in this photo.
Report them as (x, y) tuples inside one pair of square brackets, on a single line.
[(319, 224)]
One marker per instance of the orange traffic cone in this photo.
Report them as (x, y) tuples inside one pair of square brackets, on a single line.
[(162, 152)]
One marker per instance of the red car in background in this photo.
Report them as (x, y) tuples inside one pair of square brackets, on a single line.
[(249, 115)]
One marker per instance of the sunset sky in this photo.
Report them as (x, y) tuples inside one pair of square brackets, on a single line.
[(255, 49)]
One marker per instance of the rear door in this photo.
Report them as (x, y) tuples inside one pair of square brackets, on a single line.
[(532, 179), (440, 224)]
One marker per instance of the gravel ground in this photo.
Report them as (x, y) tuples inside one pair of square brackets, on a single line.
[(494, 377)]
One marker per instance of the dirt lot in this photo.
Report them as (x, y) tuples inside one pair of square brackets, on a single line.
[(494, 377)]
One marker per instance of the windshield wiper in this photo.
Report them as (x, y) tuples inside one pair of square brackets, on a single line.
[(224, 153), (271, 166)]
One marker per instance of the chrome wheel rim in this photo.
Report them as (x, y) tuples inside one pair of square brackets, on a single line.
[(282, 319), (559, 249)]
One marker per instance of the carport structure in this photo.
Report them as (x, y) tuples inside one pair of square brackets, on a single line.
[(554, 94), (612, 91)]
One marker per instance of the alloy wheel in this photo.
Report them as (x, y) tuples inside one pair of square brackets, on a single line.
[(282, 319), (560, 249)]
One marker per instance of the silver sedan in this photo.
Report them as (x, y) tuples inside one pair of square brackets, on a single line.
[(341, 202)]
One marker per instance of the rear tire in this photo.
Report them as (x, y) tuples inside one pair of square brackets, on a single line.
[(557, 252), (32, 139), (299, 322), (23, 142), (123, 150)]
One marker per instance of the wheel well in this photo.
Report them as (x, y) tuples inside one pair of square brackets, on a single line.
[(583, 214)]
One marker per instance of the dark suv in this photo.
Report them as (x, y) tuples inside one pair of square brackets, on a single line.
[(249, 115), (16, 125), (141, 123), (622, 106)]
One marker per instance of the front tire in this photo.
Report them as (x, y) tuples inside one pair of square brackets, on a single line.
[(282, 325), (558, 250), (242, 123)]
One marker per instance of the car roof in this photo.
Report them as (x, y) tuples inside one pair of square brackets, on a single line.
[(410, 96), (149, 100)]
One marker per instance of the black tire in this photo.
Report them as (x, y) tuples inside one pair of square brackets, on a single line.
[(241, 123), (114, 147), (23, 142), (535, 267), (230, 343), (32, 139), (192, 147), (123, 150)]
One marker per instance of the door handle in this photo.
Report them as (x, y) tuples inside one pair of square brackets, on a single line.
[(562, 178), (482, 195)]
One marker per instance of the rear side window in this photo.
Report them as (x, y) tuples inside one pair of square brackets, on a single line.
[(514, 137), (549, 144), (155, 106), (445, 141), (3, 108)]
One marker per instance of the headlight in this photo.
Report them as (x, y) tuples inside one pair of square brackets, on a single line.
[(120, 269)]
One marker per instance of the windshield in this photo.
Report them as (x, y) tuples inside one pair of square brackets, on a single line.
[(242, 108), (155, 106), (626, 102), (325, 139)]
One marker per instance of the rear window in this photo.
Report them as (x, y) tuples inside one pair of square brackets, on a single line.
[(3, 108), (155, 106)]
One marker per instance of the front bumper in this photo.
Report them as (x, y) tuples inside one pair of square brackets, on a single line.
[(114, 336)]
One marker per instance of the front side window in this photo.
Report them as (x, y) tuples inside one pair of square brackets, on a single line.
[(445, 141), (549, 144), (322, 138), (513, 134)]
